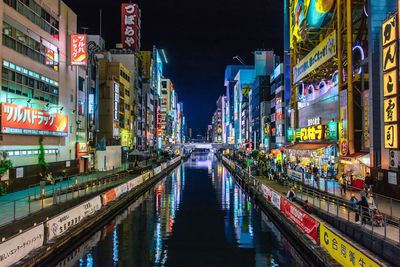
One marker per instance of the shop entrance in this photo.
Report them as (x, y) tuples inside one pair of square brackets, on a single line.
[(83, 164)]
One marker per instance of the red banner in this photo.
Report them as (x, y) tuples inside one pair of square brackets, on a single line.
[(108, 197), (130, 26), (304, 221), (17, 119), (78, 50)]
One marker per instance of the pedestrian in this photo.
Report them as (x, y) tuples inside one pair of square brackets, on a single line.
[(342, 184), (353, 202), (368, 182), (363, 210), (291, 195)]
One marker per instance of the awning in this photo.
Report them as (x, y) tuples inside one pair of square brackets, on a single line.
[(365, 159), (85, 156), (308, 146)]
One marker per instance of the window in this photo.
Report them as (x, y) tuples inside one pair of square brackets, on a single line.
[(44, 52), (21, 81), (35, 13), (81, 83)]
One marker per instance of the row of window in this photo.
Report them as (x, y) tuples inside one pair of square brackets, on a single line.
[(18, 41), (36, 14), (31, 152), (20, 81), (125, 75)]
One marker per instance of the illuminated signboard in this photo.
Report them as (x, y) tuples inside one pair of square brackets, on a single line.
[(17, 119), (318, 56), (290, 135), (390, 82), (78, 50), (390, 109), (130, 26), (333, 133), (311, 133), (116, 101)]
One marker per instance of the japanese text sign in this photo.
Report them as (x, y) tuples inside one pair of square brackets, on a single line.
[(130, 26), (390, 109), (311, 133), (389, 31), (303, 221), (390, 83), (390, 136), (342, 251), (17, 119), (78, 50)]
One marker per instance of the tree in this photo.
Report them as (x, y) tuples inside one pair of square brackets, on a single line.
[(41, 158), (5, 165)]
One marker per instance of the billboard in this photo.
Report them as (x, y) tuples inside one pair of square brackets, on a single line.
[(130, 26), (324, 51), (78, 50), (342, 251), (17, 119)]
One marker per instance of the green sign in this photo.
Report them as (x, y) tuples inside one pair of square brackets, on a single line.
[(333, 130), (290, 135)]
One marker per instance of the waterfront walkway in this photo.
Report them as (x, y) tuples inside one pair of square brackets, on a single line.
[(17, 205), (329, 199)]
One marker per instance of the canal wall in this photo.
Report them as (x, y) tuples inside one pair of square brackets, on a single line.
[(54, 235), (325, 245)]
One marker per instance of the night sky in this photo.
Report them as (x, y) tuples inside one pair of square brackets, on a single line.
[(199, 37)]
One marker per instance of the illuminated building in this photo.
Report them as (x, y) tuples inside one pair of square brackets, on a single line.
[(244, 80), (329, 82), (116, 127), (37, 80), (229, 82)]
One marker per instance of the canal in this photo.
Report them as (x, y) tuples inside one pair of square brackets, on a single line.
[(197, 216)]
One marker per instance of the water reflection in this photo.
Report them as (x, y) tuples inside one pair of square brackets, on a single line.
[(197, 216)]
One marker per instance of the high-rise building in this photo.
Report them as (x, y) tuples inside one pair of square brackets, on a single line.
[(40, 87)]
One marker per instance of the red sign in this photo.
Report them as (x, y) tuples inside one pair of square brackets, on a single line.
[(17, 119), (108, 197), (303, 220), (78, 50), (345, 148), (130, 26)]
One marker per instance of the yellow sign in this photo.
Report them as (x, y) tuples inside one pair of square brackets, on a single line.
[(246, 90), (389, 30), (389, 57), (318, 56), (342, 251), (390, 109), (391, 136), (316, 132), (390, 83)]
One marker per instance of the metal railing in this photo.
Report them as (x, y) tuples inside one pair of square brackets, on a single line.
[(57, 191), (382, 225)]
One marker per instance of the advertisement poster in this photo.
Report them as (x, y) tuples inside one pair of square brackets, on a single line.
[(344, 147), (108, 197), (16, 248), (304, 221), (276, 200), (342, 251), (267, 192), (17, 119), (62, 223)]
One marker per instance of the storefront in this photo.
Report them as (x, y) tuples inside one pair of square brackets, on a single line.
[(356, 166), (316, 146), (83, 157)]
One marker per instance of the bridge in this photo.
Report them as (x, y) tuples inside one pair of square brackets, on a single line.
[(205, 146)]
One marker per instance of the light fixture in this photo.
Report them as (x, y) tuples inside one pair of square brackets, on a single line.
[(61, 109), (29, 100), (47, 105)]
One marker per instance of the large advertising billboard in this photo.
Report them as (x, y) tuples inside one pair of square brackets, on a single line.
[(78, 50), (130, 26), (17, 119)]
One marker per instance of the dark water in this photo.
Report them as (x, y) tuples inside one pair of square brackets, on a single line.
[(197, 216)]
